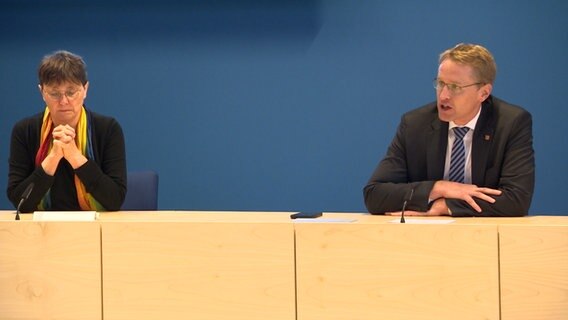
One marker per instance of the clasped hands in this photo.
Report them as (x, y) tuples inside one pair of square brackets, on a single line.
[(443, 190), (64, 141), (64, 146)]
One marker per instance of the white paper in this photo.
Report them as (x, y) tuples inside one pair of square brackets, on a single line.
[(423, 221), (65, 216), (324, 220)]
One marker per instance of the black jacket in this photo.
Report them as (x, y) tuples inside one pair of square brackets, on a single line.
[(104, 178), (502, 158)]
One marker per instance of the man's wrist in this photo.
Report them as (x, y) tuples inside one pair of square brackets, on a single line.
[(431, 202), (437, 192), (439, 207)]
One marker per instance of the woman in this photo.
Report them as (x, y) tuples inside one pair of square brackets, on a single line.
[(74, 157)]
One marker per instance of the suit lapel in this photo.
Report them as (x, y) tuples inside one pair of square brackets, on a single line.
[(481, 144), (437, 142)]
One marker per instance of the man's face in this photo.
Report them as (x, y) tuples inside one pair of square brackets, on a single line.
[(458, 99), (65, 101)]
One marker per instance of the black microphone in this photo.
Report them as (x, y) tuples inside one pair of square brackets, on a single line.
[(25, 196), (407, 197)]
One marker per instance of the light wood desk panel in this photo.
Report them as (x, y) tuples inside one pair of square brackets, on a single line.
[(198, 266), (379, 270), (49, 270), (240, 265), (534, 270), (197, 216)]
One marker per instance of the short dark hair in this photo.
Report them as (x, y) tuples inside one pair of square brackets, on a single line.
[(62, 66)]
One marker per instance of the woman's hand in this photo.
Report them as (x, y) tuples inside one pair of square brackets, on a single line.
[(64, 138)]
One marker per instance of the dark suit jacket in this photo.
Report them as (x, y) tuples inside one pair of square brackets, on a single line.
[(502, 158)]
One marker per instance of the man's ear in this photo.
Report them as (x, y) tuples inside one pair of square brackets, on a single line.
[(486, 91)]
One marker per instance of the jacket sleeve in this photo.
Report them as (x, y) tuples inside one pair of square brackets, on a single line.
[(390, 182), (22, 172)]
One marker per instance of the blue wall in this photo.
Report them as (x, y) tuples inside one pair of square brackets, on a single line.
[(281, 105)]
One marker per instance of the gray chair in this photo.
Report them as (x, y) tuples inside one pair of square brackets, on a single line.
[(142, 191)]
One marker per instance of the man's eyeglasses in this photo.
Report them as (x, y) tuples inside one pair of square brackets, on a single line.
[(58, 96), (452, 87)]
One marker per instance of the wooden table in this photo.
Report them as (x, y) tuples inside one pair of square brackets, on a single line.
[(192, 265), (262, 265), (374, 269), (49, 270), (534, 269)]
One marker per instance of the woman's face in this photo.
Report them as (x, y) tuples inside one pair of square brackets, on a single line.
[(65, 101)]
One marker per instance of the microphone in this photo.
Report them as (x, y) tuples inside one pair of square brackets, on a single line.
[(25, 196), (407, 197)]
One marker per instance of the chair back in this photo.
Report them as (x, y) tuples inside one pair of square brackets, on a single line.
[(142, 191)]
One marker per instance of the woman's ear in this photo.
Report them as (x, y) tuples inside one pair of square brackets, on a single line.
[(41, 92), (86, 89)]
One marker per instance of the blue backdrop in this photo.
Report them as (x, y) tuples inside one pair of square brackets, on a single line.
[(281, 105)]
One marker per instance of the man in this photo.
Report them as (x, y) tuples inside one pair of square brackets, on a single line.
[(468, 154)]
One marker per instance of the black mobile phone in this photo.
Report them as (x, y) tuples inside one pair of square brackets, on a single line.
[(305, 215)]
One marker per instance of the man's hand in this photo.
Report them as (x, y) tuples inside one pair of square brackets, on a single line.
[(438, 208), (443, 190), (466, 192)]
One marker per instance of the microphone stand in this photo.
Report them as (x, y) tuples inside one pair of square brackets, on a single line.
[(25, 196), (18, 209), (407, 198)]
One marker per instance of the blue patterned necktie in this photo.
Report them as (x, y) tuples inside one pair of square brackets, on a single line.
[(457, 161)]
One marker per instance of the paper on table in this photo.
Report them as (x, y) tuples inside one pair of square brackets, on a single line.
[(65, 216), (324, 220), (424, 221)]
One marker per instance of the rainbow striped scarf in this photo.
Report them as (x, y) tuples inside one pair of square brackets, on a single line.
[(83, 139)]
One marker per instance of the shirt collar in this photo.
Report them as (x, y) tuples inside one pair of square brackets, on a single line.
[(471, 124)]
